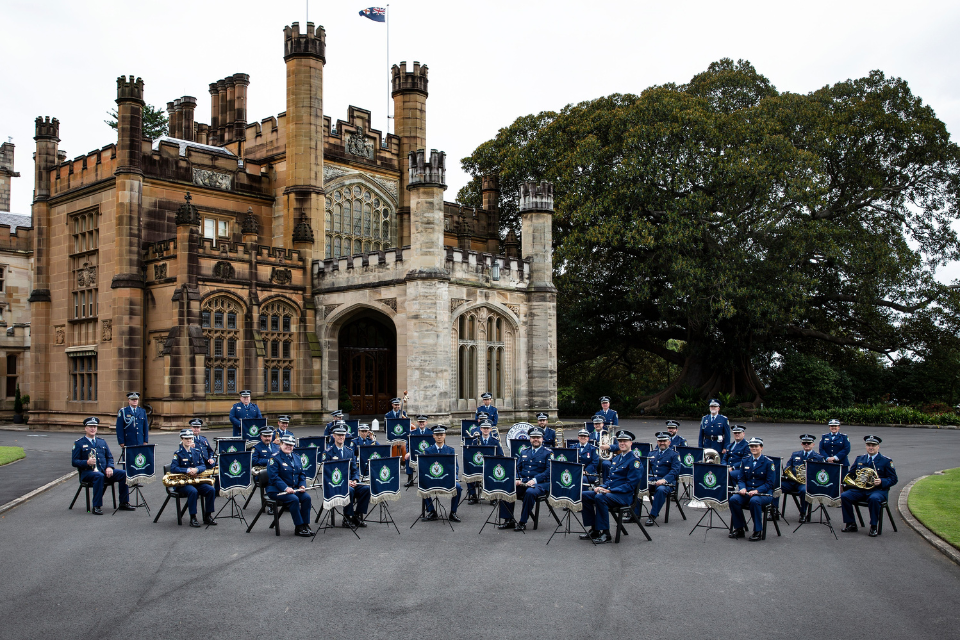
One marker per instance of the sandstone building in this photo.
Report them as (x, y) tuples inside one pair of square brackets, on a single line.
[(296, 257)]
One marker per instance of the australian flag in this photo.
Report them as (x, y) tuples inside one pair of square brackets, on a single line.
[(377, 14)]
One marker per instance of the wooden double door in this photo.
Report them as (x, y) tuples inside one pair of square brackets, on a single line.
[(368, 365)]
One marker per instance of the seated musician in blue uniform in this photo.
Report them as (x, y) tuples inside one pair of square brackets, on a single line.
[(886, 478), (609, 416), (264, 450), (364, 437), (587, 454), (676, 440), (419, 429), (288, 485), (533, 480), (598, 426), (619, 489), (202, 444), (133, 428), (484, 437), (758, 477), (487, 408), (439, 436), (188, 460), (664, 472), (243, 410), (714, 430), (736, 452), (91, 455), (796, 461), (395, 411), (835, 446), (359, 493), (283, 428)]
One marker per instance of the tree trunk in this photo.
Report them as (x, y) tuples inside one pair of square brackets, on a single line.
[(741, 380)]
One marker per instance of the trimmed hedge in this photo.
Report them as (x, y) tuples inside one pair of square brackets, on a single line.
[(866, 414)]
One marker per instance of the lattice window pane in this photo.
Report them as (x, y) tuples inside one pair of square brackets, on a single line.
[(286, 323), (275, 380), (275, 349), (218, 380), (286, 380), (231, 348), (274, 323), (218, 320), (231, 380), (286, 349), (263, 322), (231, 321)]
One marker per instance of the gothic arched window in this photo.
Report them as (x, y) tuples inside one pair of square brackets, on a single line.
[(221, 319), (482, 337), (357, 221)]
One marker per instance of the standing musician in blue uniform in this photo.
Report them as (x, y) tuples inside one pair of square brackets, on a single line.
[(337, 416), (619, 489), (202, 444), (243, 410), (359, 493), (439, 435), (664, 473), (283, 428), (796, 461), (91, 455), (835, 446), (886, 478), (288, 485), (549, 435), (609, 416), (395, 410), (533, 477), (484, 437), (587, 454), (714, 430), (758, 477), (676, 440), (736, 452), (187, 460), (133, 428), (264, 450), (487, 408), (419, 430)]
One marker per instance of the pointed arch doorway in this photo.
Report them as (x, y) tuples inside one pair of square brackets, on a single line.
[(368, 363)]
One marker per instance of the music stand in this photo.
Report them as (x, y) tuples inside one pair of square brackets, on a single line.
[(436, 477), (710, 487), (566, 492), (384, 487), (823, 488), (139, 472), (499, 484), (335, 476)]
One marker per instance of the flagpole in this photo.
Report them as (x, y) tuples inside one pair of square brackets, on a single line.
[(389, 74)]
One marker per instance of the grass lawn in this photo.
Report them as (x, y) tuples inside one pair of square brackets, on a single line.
[(934, 501), (9, 454)]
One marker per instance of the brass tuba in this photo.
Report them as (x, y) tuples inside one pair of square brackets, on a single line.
[(711, 456), (862, 479)]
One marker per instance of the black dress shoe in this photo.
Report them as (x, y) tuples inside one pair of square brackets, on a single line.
[(357, 522), (208, 520), (756, 535), (603, 538), (521, 526), (455, 518), (304, 531), (507, 524), (97, 511), (737, 533), (194, 522), (269, 511), (431, 516), (409, 482), (589, 535), (873, 531), (651, 521), (849, 528), (126, 506), (472, 501)]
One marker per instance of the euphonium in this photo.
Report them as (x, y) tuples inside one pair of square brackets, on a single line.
[(604, 441), (181, 479), (862, 479), (558, 429), (711, 456)]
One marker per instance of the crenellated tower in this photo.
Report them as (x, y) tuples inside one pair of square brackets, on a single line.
[(410, 124)]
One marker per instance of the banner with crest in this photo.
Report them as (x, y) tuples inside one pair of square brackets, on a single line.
[(397, 429), (308, 458), (473, 456), (566, 485), (417, 444), (234, 472), (250, 428), (313, 442), (688, 456), (436, 474), (824, 483), (565, 455), (643, 447), (710, 484), (467, 427), (517, 445), (229, 445), (370, 452), (384, 479), (777, 471), (140, 464), (499, 478), (336, 483)]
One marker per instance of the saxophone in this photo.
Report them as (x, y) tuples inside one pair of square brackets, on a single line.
[(181, 479)]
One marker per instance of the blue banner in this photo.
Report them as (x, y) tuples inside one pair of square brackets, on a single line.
[(312, 441), (688, 456), (566, 485), (565, 455), (572, 442), (824, 480), (417, 444), (436, 474), (473, 456), (500, 478), (139, 463), (643, 448), (336, 483), (308, 458), (710, 483), (230, 445), (250, 427), (370, 452), (384, 479), (517, 445), (777, 469), (467, 427), (645, 476), (397, 429), (353, 426), (234, 472)]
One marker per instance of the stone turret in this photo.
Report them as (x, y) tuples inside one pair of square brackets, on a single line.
[(410, 124)]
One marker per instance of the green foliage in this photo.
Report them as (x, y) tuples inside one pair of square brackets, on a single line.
[(155, 122), (743, 222), (807, 382), (933, 501), (626, 377), (17, 401), (345, 404), (25, 399), (863, 414)]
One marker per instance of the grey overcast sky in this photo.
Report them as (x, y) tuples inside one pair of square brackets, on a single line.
[(490, 60)]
